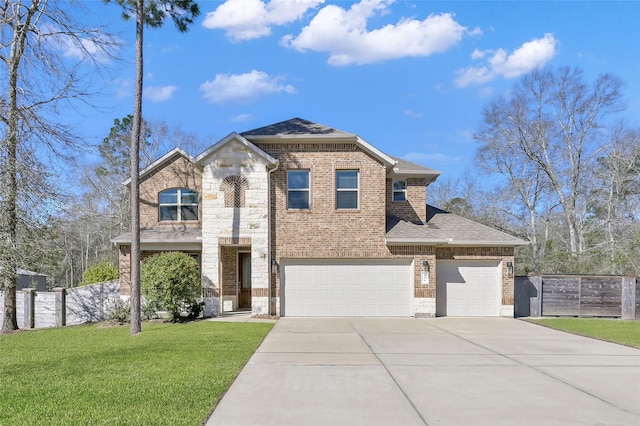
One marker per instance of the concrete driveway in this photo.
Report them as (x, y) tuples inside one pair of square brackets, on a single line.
[(443, 371)]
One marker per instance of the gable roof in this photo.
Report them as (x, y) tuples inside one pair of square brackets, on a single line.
[(160, 162), (296, 127), (305, 131), (408, 169), (234, 136), (444, 228)]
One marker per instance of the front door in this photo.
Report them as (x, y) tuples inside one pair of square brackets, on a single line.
[(244, 280)]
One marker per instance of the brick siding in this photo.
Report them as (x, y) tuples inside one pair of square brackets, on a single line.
[(178, 173), (414, 208)]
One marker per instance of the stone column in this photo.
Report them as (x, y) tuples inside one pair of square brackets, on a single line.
[(29, 307), (61, 306)]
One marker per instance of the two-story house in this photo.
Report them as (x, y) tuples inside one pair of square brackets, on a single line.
[(300, 219)]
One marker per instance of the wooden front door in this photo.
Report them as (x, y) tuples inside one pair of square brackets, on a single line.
[(244, 280)]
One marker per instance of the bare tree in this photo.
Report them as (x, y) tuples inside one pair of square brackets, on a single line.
[(615, 201), (37, 81), (550, 128)]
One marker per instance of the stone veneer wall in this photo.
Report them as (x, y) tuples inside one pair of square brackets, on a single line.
[(227, 226)]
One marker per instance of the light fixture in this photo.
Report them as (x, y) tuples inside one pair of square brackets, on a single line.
[(510, 269), (274, 266), (425, 272)]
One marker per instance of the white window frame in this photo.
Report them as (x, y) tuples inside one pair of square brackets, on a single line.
[(307, 189), (356, 189), (178, 204), (395, 191)]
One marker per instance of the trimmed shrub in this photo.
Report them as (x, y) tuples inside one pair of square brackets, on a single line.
[(119, 311), (101, 272), (171, 282)]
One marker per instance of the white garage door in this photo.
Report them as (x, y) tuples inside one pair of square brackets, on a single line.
[(468, 288), (347, 288)]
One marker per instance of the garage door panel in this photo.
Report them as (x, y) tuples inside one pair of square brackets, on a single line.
[(468, 288), (348, 288)]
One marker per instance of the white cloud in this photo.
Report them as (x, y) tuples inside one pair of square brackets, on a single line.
[(99, 47), (249, 19), (241, 118), (159, 94), (531, 55), (123, 88), (413, 114), (171, 48), (243, 87), (479, 54), (344, 34)]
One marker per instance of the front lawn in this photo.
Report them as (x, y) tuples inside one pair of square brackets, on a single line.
[(611, 330), (170, 374)]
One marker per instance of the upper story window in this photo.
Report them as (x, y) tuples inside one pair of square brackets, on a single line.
[(347, 188), (399, 190), (298, 189), (178, 205), (234, 188)]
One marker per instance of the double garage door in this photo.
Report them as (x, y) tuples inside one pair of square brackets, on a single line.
[(336, 287), (468, 288)]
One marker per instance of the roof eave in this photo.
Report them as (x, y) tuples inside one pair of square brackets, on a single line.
[(430, 176), (241, 139), (454, 243), (177, 151)]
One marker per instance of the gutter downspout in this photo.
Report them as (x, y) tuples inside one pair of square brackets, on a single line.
[(269, 244)]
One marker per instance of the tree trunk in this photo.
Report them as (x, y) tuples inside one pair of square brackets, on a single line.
[(136, 323), (10, 208)]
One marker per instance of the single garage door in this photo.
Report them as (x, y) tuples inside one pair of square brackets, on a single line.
[(468, 288), (347, 287)]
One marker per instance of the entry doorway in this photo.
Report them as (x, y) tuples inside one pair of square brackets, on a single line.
[(244, 280)]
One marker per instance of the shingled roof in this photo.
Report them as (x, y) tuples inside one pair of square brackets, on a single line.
[(296, 127), (444, 228), (164, 234)]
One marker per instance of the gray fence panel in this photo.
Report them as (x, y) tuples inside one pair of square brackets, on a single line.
[(560, 296), (637, 300), (45, 310), (601, 296), (90, 303), (525, 297)]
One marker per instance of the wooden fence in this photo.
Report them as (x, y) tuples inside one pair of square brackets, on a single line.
[(577, 296)]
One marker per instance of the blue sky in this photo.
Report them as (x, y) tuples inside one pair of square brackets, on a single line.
[(410, 77)]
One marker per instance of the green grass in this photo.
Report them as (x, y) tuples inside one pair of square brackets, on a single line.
[(170, 374), (611, 330)]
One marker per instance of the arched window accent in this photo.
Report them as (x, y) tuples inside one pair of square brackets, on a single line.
[(234, 188), (179, 204)]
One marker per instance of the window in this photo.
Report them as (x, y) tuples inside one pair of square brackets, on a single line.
[(399, 190), (347, 184), (298, 189), (178, 204)]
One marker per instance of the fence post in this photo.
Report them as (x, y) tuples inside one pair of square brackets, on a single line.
[(61, 306), (536, 302), (29, 307), (629, 298)]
